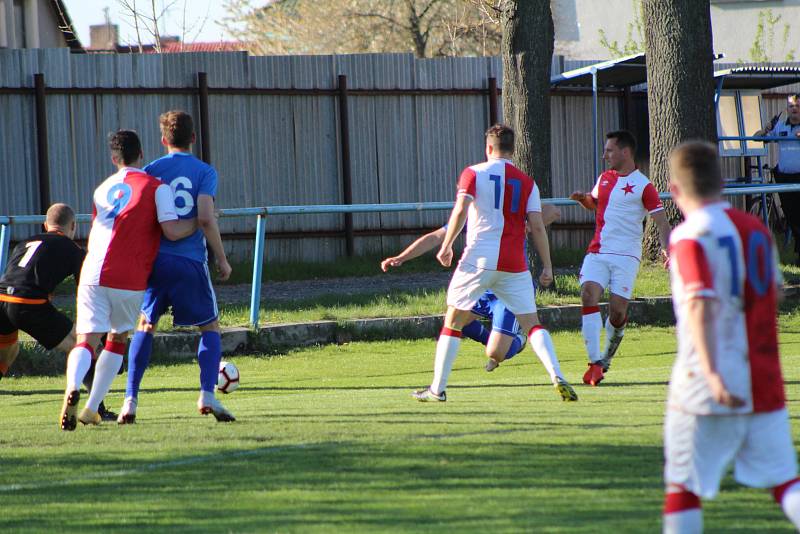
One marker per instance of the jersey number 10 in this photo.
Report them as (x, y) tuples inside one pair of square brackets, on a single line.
[(759, 269)]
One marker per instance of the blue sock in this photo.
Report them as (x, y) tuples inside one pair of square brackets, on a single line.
[(515, 348), (477, 332), (138, 360), (209, 354)]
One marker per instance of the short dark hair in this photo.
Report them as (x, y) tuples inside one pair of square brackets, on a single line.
[(177, 128), (695, 166), (501, 138), (125, 146), (60, 215), (795, 97), (624, 139)]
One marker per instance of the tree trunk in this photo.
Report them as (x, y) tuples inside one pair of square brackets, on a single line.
[(527, 50), (680, 88)]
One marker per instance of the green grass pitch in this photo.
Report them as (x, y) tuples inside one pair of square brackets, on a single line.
[(328, 440)]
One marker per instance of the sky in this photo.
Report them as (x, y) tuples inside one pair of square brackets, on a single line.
[(200, 28)]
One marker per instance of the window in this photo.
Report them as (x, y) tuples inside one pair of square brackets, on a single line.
[(739, 115)]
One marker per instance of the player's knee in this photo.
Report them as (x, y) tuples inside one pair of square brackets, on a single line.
[(618, 316), (9, 340), (589, 297), (496, 353), (117, 337)]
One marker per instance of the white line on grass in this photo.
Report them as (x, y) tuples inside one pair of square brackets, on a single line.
[(121, 473)]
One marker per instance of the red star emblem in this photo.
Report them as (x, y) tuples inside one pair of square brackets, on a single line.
[(628, 188)]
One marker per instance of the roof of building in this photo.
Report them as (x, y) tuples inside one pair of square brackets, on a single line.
[(174, 47), (219, 46), (758, 77), (65, 25), (622, 72)]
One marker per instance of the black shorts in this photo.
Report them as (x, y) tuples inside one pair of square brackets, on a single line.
[(43, 322)]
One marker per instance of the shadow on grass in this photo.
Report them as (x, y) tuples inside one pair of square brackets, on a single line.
[(471, 482), (420, 481)]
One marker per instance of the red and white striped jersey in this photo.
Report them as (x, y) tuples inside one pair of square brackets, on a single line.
[(726, 255), (502, 197), (622, 204), (128, 209)]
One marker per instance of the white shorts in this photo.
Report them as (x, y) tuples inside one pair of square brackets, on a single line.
[(612, 271), (699, 448), (469, 283), (104, 309)]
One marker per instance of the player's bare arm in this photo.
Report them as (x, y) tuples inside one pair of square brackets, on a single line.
[(701, 320), (207, 222), (416, 249), (664, 229), (550, 214), (584, 199), (178, 229), (542, 244), (454, 226)]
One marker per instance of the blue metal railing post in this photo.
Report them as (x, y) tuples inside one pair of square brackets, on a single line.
[(5, 239), (258, 264)]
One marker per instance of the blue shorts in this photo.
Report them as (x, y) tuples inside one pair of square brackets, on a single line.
[(183, 284), (490, 307)]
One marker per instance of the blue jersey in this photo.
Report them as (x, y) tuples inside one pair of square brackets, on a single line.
[(188, 177)]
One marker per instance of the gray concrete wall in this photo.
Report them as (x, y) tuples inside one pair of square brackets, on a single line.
[(734, 23)]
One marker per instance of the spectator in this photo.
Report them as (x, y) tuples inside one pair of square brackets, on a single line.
[(788, 167)]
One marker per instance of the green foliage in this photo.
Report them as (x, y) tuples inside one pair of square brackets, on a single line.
[(634, 42), (763, 47), (328, 440)]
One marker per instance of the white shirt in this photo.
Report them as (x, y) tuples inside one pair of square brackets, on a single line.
[(726, 256), (502, 197), (622, 204)]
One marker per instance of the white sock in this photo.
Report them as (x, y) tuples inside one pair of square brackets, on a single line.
[(612, 331), (591, 325), (446, 352), (791, 504), (78, 363), (684, 522), (108, 364), (542, 345)]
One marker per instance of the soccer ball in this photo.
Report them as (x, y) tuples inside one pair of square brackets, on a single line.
[(228, 378)]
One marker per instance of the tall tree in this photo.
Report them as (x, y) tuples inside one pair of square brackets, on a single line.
[(527, 50), (428, 28), (680, 87)]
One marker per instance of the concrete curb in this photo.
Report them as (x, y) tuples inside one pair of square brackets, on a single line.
[(282, 337), (179, 346)]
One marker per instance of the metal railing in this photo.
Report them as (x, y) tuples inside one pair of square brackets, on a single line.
[(6, 222)]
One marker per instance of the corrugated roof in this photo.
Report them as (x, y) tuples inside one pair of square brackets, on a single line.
[(622, 72), (219, 46), (758, 77)]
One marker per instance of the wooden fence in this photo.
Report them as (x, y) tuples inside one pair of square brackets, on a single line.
[(376, 128)]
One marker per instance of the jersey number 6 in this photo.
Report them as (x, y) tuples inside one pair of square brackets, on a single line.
[(180, 187)]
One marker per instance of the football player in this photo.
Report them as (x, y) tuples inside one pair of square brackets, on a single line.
[(620, 199), (181, 278)]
